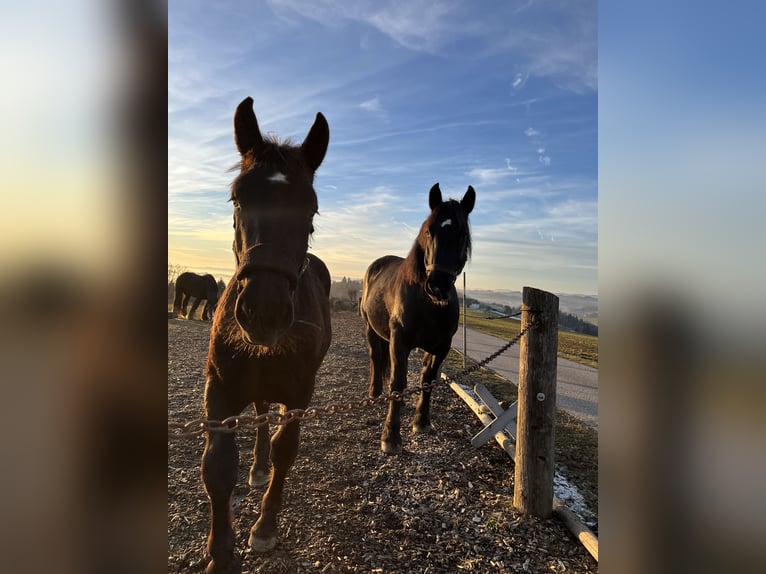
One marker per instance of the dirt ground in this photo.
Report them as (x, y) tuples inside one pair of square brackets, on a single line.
[(439, 507)]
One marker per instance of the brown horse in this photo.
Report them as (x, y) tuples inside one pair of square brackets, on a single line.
[(412, 302), (272, 327), (200, 287)]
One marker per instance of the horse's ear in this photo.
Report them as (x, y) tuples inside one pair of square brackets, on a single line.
[(468, 201), (315, 145), (247, 135), (435, 197)]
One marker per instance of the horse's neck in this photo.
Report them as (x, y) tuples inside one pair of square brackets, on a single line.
[(413, 267)]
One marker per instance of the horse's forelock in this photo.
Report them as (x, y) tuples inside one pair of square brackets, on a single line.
[(276, 154)]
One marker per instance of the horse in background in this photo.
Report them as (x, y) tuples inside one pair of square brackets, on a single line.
[(200, 287), (272, 328), (412, 302)]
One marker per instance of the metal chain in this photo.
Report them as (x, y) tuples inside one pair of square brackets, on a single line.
[(236, 422), (484, 362)]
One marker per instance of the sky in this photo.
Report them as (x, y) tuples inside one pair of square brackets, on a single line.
[(498, 95)]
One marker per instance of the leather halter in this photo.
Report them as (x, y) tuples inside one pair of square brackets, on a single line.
[(436, 267), (261, 258)]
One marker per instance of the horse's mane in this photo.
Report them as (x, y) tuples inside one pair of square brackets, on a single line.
[(413, 269)]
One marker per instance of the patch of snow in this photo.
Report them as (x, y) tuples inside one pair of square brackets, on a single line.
[(570, 496)]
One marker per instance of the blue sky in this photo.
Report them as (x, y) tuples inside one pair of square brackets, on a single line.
[(498, 95)]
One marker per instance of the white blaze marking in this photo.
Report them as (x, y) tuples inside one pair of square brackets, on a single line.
[(278, 177), (446, 222)]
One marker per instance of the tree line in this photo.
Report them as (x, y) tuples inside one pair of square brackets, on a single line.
[(345, 294), (567, 321)]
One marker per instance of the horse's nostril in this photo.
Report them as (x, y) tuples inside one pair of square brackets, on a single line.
[(245, 312)]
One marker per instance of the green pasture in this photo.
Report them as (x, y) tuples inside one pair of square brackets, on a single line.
[(576, 347)]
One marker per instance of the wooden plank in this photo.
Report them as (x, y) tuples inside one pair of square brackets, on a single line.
[(479, 410), (488, 399), (572, 521), (503, 418)]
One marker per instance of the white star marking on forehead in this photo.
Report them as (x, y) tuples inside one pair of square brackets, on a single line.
[(278, 177), (446, 222)]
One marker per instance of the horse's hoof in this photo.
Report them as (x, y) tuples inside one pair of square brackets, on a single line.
[(420, 428), (390, 448), (259, 544), (258, 478)]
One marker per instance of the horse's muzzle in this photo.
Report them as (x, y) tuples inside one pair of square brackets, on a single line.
[(438, 285), (264, 310)]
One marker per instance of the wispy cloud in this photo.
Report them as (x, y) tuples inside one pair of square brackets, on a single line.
[(491, 175), (519, 81), (531, 132), (488, 175), (419, 25), (551, 39), (555, 40), (371, 105)]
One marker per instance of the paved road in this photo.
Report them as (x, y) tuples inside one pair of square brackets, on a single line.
[(577, 385)]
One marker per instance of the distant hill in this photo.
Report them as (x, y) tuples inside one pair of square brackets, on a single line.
[(583, 306)]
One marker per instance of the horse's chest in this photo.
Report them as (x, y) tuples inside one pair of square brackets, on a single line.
[(430, 333), (279, 381)]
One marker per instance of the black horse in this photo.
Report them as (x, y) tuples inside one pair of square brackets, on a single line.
[(272, 328), (200, 287), (412, 302)]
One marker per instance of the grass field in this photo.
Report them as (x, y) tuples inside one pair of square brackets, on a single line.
[(582, 349)]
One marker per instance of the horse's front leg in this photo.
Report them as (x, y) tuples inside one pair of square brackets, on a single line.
[(177, 302), (259, 471), (391, 439), (430, 371), (284, 449), (219, 474)]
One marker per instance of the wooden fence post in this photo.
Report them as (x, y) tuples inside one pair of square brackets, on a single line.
[(536, 419)]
